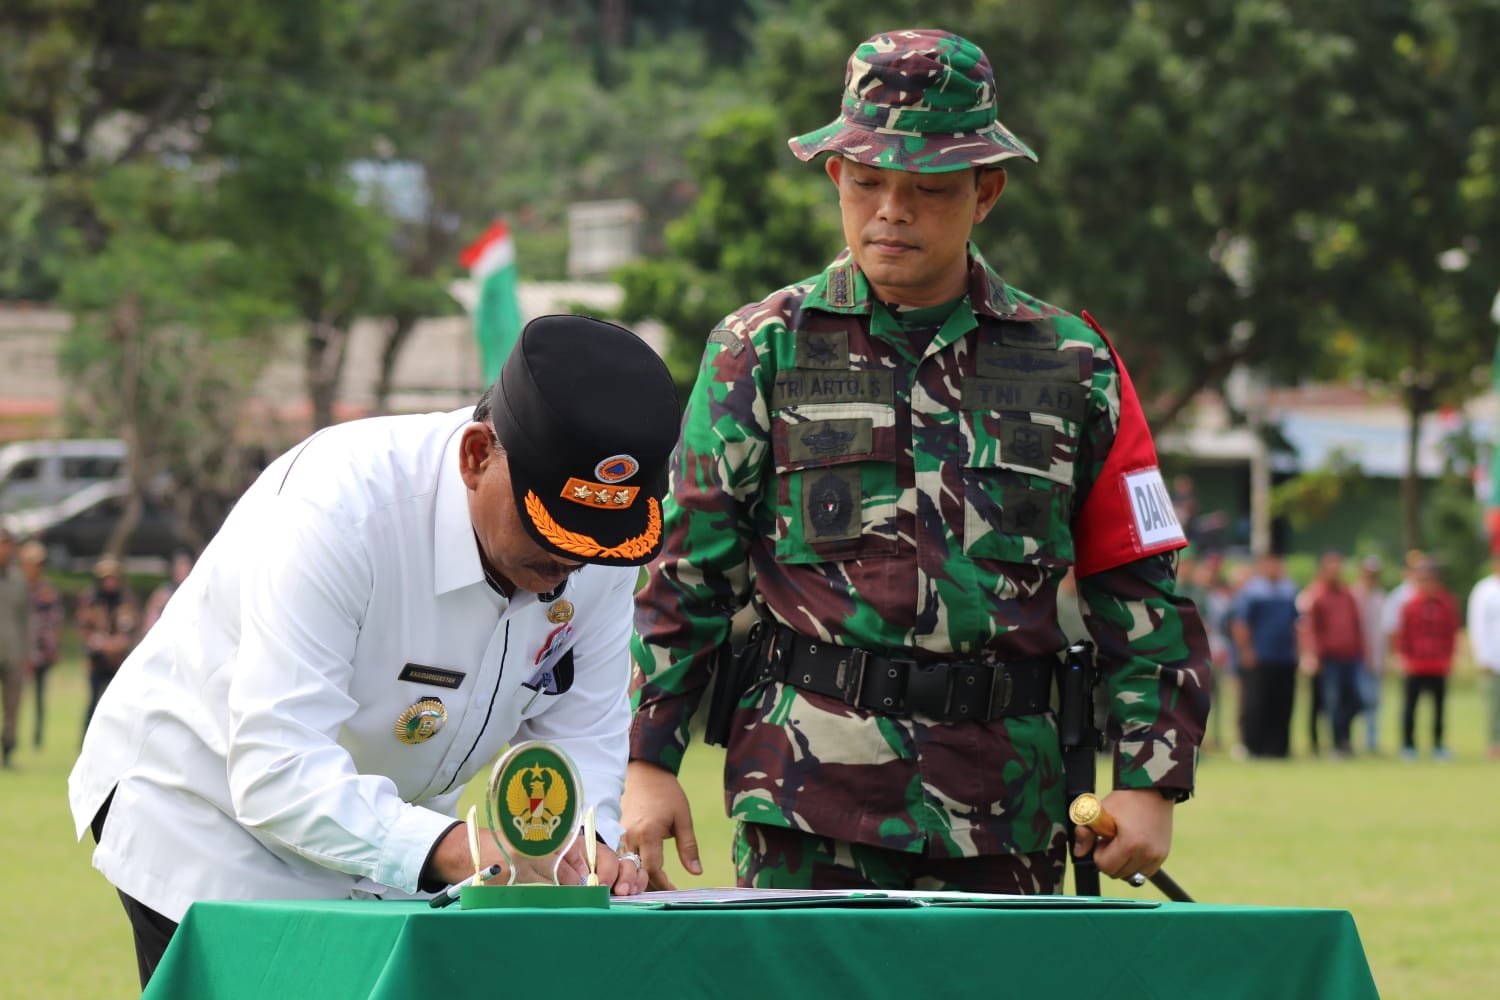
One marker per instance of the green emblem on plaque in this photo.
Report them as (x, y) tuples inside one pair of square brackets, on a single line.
[(535, 798)]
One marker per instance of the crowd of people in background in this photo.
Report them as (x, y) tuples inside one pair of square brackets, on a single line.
[(109, 618), (1336, 638)]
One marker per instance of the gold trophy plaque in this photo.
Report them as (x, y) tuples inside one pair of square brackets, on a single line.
[(533, 806)]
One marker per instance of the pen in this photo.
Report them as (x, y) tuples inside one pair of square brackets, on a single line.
[(450, 895)]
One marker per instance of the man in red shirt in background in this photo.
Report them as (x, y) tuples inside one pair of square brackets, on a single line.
[(1335, 634), (1425, 640)]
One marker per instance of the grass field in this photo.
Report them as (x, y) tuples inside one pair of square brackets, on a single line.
[(1383, 838)]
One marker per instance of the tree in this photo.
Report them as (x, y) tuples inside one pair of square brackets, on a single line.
[(167, 343), (752, 229), (1410, 260), (103, 108)]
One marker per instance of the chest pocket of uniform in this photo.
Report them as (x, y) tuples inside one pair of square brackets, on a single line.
[(1021, 441), (835, 481)]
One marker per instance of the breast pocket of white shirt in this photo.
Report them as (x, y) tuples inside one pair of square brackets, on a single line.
[(552, 676)]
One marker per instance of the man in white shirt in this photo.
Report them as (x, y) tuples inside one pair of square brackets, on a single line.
[(1484, 642), (390, 604)]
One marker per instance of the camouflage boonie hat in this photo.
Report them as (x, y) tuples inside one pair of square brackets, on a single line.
[(922, 101)]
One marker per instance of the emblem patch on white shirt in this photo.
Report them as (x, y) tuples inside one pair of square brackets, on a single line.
[(1151, 509)]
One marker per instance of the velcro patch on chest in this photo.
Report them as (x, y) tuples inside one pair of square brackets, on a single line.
[(799, 386), (1060, 399), (832, 499), (1025, 511), (1026, 445), (823, 350), (818, 440), (997, 361)]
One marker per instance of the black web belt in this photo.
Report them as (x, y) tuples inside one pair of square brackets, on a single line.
[(956, 691)]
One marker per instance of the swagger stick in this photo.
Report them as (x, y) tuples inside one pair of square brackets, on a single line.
[(1088, 811)]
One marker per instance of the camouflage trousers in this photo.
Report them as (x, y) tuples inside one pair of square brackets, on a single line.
[(773, 857)]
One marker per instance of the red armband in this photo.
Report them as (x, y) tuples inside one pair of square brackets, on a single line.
[(1129, 513)]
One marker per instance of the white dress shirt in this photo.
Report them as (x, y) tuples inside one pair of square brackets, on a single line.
[(250, 739), (1484, 623), (1390, 612)]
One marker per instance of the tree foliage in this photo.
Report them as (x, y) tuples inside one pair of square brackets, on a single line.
[(753, 228), (1306, 189)]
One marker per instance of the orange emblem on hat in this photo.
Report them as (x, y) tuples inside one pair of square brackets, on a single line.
[(589, 548), (598, 495)]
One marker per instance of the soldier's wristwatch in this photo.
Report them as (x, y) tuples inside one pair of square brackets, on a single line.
[(1175, 794)]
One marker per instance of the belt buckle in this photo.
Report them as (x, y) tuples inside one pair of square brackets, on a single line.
[(929, 689), (1002, 689), (850, 679), (969, 706)]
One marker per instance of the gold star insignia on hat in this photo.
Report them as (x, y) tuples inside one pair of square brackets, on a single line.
[(598, 495)]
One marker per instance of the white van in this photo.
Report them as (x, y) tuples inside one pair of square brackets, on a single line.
[(35, 473)]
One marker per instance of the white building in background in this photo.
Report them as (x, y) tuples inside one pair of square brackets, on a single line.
[(602, 235)]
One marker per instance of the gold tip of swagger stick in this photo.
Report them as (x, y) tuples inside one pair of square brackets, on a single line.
[(1088, 811)]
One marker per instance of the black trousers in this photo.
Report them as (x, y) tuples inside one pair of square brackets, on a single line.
[(153, 932), (1413, 688), (100, 675), (1270, 690), (39, 690)]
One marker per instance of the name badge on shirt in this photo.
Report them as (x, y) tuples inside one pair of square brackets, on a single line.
[(421, 673)]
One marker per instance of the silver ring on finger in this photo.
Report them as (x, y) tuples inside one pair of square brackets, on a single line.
[(632, 857)]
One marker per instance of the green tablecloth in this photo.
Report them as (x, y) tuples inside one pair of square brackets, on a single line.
[(409, 950)]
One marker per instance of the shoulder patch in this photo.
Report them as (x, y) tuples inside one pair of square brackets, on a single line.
[(722, 336)]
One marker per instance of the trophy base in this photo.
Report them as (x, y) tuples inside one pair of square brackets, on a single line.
[(538, 897)]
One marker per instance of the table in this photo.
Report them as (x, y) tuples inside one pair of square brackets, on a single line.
[(408, 950)]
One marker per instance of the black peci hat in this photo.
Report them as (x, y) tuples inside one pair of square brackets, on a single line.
[(588, 417)]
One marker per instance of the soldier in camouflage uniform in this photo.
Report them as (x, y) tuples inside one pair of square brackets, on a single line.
[(896, 461)]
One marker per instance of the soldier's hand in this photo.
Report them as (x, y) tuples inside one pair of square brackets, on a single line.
[(624, 878), (1143, 839), (654, 808)]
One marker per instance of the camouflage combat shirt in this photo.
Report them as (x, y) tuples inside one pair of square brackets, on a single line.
[(925, 504)]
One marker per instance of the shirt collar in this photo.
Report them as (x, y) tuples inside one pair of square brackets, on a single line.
[(455, 560), (842, 288)]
